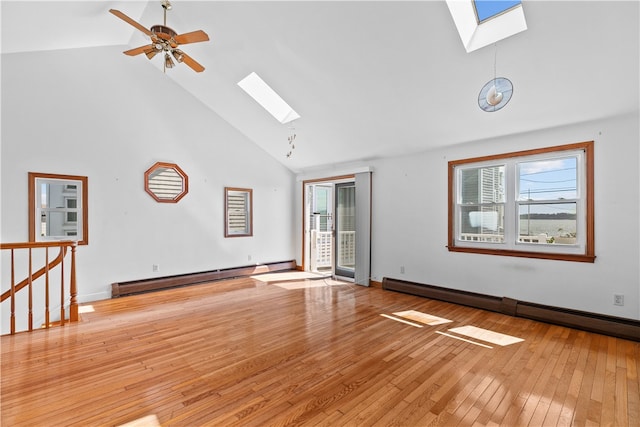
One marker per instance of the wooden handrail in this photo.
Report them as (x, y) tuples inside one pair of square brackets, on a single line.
[(44, 271), (27, 245), (37, 274)]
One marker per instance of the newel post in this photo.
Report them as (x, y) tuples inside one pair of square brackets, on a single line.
[(73, 305)]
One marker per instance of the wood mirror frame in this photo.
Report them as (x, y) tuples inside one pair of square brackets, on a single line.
[(166, 182)]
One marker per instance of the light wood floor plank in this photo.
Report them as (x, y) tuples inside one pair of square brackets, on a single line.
[(528, 398), (242, 352)]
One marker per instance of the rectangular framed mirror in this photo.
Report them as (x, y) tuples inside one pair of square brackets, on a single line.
[(58, 208), (238, 212)]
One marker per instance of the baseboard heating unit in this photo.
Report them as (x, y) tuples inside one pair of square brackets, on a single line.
[(157, 283), (592, 322)]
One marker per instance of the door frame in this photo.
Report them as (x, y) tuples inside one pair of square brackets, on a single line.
[(328, 180)]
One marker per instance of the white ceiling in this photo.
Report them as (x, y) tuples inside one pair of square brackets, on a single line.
[(370, 79)]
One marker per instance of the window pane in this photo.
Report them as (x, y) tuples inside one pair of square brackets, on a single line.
[(44, 195), (482, 185), (55, 226), (486, 9), (322, 208), (554, 179), (482, 223), (238, 213), (555, 221)]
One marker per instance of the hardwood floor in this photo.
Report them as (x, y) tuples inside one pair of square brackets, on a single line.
[(254, 353)]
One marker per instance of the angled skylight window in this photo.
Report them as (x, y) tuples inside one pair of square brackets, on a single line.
[(268, 98), (487, 9), (481, 23)]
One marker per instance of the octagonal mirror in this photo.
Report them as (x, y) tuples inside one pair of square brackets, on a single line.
[(166, 182)]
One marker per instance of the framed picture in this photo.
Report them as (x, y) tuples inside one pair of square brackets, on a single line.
[(238, 212)]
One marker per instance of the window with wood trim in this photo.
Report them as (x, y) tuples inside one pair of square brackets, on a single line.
[(58, 208), (536, 203), (238, 207)]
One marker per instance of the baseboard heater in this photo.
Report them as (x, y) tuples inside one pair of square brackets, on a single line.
[(158, 283), (592, 322)]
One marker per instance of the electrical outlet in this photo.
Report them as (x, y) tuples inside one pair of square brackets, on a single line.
[(249, 257), (618, 299), (402, 269), (155, 267)]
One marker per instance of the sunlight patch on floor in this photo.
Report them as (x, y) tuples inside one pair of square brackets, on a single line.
[(463, 339), (425, 318), (306, 284), (290, 275), (88, 308), (148, 421), (401, 320), (486, 335)]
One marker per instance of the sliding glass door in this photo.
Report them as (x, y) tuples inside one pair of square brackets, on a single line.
[(345, 227)]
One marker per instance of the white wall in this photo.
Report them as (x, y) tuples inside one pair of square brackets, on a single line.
[(410, 225), (101, 114), (98, 113)]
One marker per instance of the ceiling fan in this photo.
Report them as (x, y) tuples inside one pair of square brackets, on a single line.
[(164, 39)]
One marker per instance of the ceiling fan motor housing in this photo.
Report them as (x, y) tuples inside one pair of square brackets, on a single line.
[(163, 31), (164, 39)]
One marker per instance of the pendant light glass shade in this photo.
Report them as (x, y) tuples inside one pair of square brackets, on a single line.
[(495, 94)]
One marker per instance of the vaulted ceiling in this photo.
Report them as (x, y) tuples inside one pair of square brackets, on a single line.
[(369, 79)]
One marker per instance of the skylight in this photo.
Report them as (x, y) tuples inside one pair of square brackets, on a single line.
[(268, 98), (487, 9), (481, 23)]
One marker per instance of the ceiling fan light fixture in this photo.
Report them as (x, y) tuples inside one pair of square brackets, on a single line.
[(151, 53), (177, 53), (168, 62)]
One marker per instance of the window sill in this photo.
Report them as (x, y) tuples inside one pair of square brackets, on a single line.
[(525, 254)]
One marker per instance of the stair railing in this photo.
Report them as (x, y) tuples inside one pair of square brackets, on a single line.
[(46, 272)]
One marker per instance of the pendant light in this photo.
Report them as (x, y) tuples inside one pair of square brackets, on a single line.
[(496, 93)]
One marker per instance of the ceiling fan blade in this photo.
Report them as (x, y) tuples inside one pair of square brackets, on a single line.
[(138, 50), (192, 37), (130, 21), (192, 63)]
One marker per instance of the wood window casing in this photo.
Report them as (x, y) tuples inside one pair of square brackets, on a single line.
[(238, 212), (588, 194), (166, 182), (82, 203)]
